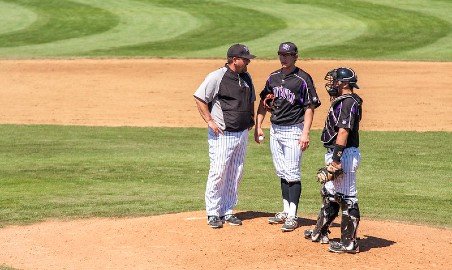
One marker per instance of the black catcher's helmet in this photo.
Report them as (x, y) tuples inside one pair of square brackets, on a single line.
[(342, 74)]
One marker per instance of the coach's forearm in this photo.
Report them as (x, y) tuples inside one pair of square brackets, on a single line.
[(203, 109)]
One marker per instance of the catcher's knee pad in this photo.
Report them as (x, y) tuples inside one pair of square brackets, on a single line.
[(350, 221), (350, 206), (328, 213), (331, 209)]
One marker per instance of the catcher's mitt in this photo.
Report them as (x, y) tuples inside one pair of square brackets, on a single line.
[(328, 173), (268, 102)]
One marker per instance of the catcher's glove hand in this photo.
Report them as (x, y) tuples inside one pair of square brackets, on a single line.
[(328, 173), (268, 102)]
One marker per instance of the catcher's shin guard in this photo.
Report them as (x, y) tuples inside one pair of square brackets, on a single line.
[(350, 221), (328, 213)]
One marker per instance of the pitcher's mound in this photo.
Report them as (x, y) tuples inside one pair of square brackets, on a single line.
[(184, 241)]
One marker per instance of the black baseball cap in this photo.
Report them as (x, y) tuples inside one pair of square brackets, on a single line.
[(240, 50), (287, 48)]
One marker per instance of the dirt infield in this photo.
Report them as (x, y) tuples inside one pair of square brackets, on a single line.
[(184, 241), (397, 96)]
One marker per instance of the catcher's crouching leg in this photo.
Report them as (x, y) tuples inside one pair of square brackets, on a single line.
[(328, 213), (350, 221), (349, 228)]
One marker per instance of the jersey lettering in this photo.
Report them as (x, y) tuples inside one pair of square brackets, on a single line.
[(282, 92)]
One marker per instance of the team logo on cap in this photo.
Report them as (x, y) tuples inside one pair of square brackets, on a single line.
[(286, 47), (246, 49)]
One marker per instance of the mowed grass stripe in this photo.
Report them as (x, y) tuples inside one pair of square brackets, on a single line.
[(140, 22), (441, 49), (221, 24), (68, 172), (390, 30), (14, 17), (351, 29), (308, 26), (57, 20), (381, 22)]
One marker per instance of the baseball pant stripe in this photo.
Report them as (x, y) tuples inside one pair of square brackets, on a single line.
[(286, 152), (346, 184), (234, 176), (227, 153)]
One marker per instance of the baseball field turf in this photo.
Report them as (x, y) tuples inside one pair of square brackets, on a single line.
[(52, 172), (68, 172), (348, 29)]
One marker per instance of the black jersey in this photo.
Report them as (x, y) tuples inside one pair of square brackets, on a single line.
[(345, 112), (230, 98), (293, 93)]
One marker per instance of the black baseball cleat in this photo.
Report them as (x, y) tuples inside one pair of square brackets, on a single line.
[(232, 220), (338, 247), (214, 222)]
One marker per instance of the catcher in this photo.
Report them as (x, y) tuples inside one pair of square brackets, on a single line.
[(338, 178)]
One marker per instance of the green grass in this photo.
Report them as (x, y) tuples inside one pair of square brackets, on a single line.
[(5, 267), (348, 29), (221, 23), (57, 20), (70, 172), (389, 30)]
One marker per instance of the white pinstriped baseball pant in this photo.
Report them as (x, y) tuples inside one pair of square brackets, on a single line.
[(227, 156), (345, 184), (286, 151)]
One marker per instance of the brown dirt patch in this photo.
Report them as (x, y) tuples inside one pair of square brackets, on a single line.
[(153, 92), (398, 96), (184, 241)]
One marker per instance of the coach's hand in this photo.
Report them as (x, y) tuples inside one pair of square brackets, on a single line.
[(214, 127)]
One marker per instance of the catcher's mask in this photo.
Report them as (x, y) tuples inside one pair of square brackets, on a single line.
[(342, 74)]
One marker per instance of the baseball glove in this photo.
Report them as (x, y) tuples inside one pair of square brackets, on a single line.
[(268, 102), (328, 173)]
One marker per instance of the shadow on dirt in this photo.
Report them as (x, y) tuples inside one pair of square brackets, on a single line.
[(368, 242), (253, 214)]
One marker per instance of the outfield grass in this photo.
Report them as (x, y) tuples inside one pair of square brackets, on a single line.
[(389, 29), (348, 29), (57, 20), (68, 172)]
